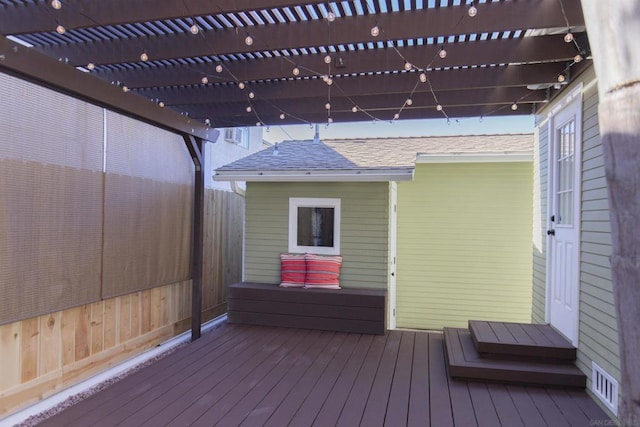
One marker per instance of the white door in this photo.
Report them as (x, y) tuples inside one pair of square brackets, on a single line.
[(393, 244), (563, 255)]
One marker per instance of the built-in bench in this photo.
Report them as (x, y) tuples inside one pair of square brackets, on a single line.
[(343, 310)]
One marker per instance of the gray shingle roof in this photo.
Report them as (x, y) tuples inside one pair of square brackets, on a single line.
[(375, 153)]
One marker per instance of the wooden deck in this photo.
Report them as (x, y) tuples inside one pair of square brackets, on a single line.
[(254, 375)]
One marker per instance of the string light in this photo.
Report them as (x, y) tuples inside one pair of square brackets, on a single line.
[(248, 40), (443, 53), (144, 57), (568, 38), (329, 81), (423, 77), (327, 59), (330, 120), (91, 66), (396, 116), (252, 95), (561, 78), (354, 109), (241, 85), (327, 106), (125, 89), (472, 11), (161, 104), (205, 80), (219, 68), (249, 109), (577, 58), (207, 122), (325, 78), (258, 124), (514, 106), (282, 116), (407, 65), (60, 29), (439, 107), (375, 31), (296, 71), (331, 16), (409, 101), (194, 29), (56, 4)]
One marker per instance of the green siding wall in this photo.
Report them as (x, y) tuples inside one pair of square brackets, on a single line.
[(598, 335), (464, 236), (364, 229)]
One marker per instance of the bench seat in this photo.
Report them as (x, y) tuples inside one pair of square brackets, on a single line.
[(343, 310)]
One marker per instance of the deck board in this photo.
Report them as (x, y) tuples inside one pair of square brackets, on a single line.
[(255, 376)]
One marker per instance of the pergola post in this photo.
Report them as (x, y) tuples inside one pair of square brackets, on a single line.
[(196, 146)]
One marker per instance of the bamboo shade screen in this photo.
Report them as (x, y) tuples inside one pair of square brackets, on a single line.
[(51, 155), (148, 207)]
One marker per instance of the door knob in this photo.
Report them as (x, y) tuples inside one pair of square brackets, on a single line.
[(551, 232)]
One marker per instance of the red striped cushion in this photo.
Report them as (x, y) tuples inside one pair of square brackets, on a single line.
[(292, 270), (323, 271)]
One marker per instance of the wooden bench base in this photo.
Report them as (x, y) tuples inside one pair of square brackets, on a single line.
[(343, 310)]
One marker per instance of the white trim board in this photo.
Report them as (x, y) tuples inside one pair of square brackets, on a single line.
[(378, 175)]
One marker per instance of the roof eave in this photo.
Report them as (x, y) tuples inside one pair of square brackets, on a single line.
[(362, 175), (474, 157)]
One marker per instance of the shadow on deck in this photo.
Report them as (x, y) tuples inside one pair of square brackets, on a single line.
[(254, 376)]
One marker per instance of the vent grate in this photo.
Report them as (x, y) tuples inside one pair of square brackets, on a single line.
[(605, 387)]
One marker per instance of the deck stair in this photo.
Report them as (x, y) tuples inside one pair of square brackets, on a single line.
[(512, 352)]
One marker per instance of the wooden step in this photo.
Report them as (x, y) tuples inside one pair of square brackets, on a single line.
[(520, 340), (463, 361)]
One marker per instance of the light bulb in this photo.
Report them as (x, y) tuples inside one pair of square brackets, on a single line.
[(568, 38), (561, 78), (249, 109), (296, 71), (409, 101), (248, 40), (325, 78), (144, 57), (205, 80), (125, 89), (258, 124), (423, 77), (194, 29), (577, 58), (252, 95), (354, 109), (472, 11), (218, 68), (207, 122), (60, 29), (327, 59), (91, 66), (241, 85), (327, 106), (56, 4), (396, 116), (282, 116), (407, 65), (439, 107), (161, 104), (442, 54), (514, 106), (331, 16), (375, 31), (330, 120), (329, 81)]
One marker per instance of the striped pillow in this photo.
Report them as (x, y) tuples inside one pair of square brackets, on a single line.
[(292, 270), (323, 272)]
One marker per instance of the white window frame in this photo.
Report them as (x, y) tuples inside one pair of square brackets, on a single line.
[(238, 136), (312, 202)]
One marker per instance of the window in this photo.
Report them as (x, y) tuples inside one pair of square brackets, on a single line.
[(314, 225), (238, 136)]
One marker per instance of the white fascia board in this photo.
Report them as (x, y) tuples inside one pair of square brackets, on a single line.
[(377, 175), (474, 158)]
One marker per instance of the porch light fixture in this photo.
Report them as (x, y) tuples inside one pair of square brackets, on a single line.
[(144, 57), (56, 4), (375, 31), (248, 40), (568, 38), (205, 80), (443, 53), (296, 71), (219, 68), (60, 29)]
